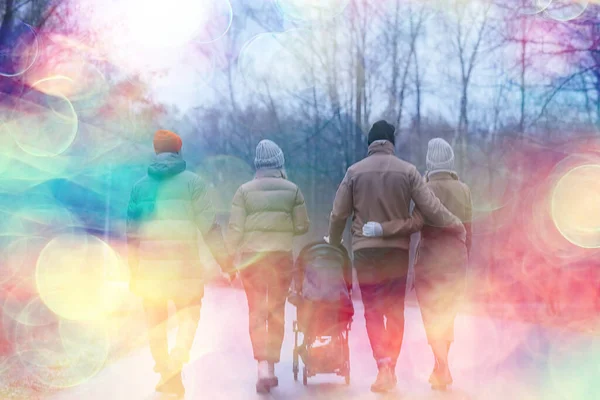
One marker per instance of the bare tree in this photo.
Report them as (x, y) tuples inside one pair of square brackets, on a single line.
[(468, 26)]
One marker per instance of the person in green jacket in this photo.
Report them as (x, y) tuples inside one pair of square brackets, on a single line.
[(267, 213), (169, 211)]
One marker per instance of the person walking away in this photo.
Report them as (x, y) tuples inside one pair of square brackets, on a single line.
[(378, 189), (440, 271), (168, 210), (266, 214)]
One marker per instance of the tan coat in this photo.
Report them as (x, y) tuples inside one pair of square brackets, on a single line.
[(456, 197), (441, 265), (266, 214), (380, 189)]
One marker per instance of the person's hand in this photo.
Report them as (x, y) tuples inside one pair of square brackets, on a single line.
[(232, 276), (133, 278), (132, 285), (229, 277), (458, 228), (372, 229), (326, 239), (294, 298)]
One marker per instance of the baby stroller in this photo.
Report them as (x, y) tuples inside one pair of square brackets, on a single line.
[(321, 293)]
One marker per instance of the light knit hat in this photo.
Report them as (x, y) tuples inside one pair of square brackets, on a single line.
[(268, 155), (440, 156)]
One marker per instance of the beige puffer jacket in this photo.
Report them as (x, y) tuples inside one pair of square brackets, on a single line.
[(266, 214)]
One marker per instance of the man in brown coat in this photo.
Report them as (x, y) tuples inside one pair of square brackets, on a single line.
[(379, 189)]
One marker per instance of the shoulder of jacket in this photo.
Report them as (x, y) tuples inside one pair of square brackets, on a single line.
[(354, 168), (410, 167), (192, 177), (290, 185), (466, 187), (250, 186), (189, 175), (141, 181)]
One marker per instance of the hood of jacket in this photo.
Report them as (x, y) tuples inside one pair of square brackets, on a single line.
[(166, 165)]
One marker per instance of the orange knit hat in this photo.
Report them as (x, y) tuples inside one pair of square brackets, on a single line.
[(167, 142)]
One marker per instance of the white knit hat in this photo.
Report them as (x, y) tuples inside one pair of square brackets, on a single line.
[(440, 156), (268, 155)]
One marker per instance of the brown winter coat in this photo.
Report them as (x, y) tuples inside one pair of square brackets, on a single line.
[(379, 189), (266, 214)]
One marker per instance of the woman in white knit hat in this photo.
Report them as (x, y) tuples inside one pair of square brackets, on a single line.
[(441, 265), (440, 270), (267, 213)]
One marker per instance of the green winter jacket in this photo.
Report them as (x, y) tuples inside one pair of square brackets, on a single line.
[(266, 214), (168, 210)]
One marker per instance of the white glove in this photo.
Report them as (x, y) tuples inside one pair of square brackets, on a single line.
[(372, 229)]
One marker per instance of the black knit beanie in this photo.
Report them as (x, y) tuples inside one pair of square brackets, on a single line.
[(381, 130)]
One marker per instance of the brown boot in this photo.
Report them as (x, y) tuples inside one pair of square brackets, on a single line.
[(273, 380), (441, 377), (432, 377), (171, 383), (385, 380), (263, 384)]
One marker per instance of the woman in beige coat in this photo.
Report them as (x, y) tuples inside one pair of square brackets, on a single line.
[(442, 258), (266, 215)]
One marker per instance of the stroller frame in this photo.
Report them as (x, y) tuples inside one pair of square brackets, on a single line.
[(304, 348), (339, 335)]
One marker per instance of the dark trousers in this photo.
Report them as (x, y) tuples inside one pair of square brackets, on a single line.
[(157, 314), (382, 277), (266, 278)]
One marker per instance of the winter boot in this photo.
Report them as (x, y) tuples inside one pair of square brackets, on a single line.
[(273, 380), (442, 377), (263, 384), (171, 384), (393, 370), (385, 380), (165, 374), (433, 376)]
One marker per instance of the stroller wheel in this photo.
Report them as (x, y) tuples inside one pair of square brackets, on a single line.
[(304, 376), (295, 361), (347, 373)]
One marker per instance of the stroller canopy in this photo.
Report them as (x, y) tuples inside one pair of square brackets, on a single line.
[(327, 272)]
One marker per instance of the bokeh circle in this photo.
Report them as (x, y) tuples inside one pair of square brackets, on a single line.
[(574, 206), (43, 125), (74, 277)]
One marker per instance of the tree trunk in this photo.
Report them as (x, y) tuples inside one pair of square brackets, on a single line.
[(7, 21), (420, 147), (523, 69), (358, 110)]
